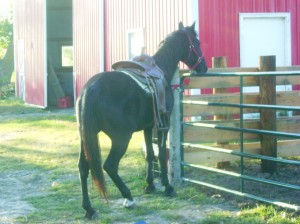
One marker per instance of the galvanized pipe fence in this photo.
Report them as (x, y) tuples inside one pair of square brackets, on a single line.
[(241, 176)]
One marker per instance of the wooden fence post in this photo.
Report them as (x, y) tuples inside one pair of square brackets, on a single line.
[(174, 137), (220, 62), (267, 86)]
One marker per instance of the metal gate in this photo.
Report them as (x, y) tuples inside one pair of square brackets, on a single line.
[(238, 174)]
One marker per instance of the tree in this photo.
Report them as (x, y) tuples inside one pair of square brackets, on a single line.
[(6, 51), (6, 35)]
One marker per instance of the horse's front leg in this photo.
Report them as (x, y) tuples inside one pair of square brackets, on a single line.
[(162, 138), (84, 173), (150, 158)]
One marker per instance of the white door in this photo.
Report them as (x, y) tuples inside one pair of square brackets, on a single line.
[(264, 34)]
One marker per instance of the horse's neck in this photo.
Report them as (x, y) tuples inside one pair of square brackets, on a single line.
[(167, 61)]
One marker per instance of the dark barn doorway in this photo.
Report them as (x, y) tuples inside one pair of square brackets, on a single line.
[(60, 87)]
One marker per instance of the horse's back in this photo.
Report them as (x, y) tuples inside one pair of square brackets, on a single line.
[(114, 100), (109, 89)]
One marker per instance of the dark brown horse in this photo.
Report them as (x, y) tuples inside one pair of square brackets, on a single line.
[(115, 104)]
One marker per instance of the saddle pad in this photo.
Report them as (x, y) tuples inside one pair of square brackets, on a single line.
[(143, 82)]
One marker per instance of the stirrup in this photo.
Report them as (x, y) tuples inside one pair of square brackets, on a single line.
[(165, 124)]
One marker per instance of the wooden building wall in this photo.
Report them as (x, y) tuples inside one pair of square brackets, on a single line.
[(100, 30), (87, 41), (30, 48), (219, 25), (157, 18)]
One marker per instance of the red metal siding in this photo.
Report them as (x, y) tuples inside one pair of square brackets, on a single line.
[(219, 25), (157, 17), (86, 40), (30, 27)]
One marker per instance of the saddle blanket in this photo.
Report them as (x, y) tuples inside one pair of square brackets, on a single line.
[(144, 71), (143, 81)]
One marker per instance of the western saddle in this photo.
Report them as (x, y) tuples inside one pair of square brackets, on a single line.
[(144, 71)]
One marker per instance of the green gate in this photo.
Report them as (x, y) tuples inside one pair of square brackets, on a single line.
[(197, 116)]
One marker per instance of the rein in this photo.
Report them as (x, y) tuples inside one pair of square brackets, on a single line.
[(192, 49)]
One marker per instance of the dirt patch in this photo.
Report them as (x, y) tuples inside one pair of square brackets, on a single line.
[(15, 187), (187, 213), (9, 135)]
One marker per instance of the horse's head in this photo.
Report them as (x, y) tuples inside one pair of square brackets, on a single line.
[(192, 55)]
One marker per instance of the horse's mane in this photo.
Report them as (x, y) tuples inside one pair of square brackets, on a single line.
[(176, 32)]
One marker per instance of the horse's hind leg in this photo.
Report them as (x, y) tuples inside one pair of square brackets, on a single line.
[(169, 190), (150, 158), (84, 173), (111, 165)]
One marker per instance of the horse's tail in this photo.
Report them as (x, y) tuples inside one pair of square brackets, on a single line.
[(89, 137)]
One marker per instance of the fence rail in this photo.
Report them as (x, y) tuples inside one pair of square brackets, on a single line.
[(195, 106)]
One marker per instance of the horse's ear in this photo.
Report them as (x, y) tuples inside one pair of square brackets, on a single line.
[(193, 26), (180, 26)]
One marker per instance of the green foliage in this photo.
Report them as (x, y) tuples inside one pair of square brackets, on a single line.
[(67, 56), (7, 91), (6, 52), (6, 35)]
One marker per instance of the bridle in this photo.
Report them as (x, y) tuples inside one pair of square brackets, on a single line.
[(193, 50)]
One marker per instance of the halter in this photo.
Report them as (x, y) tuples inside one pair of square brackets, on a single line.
[(192, 49)]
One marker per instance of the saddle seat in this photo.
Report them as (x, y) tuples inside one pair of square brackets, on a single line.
[(143, 70), (144, 63)]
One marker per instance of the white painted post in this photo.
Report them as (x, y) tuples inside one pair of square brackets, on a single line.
[(174, 170)]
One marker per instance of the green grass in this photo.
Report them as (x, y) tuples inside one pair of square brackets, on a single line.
[(49, 145), (15, 106), (40, 143), (258, 215)]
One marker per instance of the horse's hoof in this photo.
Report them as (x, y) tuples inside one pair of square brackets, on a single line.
[(150, 189), (91, 214), (128, 203), (170, 192)]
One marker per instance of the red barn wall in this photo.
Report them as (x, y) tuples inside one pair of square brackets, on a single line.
[(157, 17), (219, 25), (29, 28), (87, 41)]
